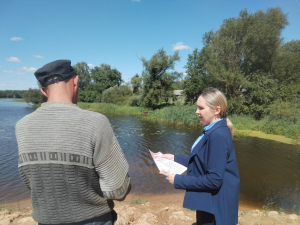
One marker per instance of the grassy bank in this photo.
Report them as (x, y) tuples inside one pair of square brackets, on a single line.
[(20, 100), (111, 108), (185, 115)]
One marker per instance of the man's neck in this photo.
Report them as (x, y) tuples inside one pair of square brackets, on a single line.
[(60, 99)]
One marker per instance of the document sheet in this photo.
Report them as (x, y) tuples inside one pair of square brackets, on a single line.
[(167, 165)]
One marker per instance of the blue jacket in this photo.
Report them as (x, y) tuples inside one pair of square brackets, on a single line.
[(212, 181)]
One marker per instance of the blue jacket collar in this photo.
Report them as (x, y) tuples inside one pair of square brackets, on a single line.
[(197, 148)]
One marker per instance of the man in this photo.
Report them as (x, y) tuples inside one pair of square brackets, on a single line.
[(69, 158)]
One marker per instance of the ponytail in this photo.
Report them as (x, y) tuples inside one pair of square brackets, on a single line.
[(230, 126)]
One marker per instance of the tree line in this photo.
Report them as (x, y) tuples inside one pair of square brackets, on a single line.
[(12, 93), (246, 58)]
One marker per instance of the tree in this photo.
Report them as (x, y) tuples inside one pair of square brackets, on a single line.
[(89, 96), (196, 80), (157, 80), (105, 77), (287, 71), (34, 96), (239, 59), (136, 82), (83, 71)]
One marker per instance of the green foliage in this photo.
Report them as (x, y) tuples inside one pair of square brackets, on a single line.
[(157, 80), (247, 60), (281, 210), (34, 96), (117, 95), (11, 94), (136, 82), (178, 85), (184, 115), (83, 70), (105, 77), (296, 209), (89, 96), (134, 100), (267, 208)]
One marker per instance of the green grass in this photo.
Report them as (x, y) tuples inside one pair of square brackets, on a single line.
[(111, 108), (138, 201), (267, 208), (20, 100), (268, 125), (12, 208)]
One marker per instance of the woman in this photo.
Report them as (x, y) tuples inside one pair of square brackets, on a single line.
[(212, 180)]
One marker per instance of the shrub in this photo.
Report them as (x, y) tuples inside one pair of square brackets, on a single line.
[(134, 100), (116, 95), (89, 96)]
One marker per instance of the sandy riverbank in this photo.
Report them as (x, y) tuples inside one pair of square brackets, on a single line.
[(164, 210)]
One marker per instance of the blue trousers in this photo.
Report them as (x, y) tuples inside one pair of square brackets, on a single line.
[(106, 219)]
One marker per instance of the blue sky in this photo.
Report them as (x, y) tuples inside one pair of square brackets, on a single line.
[(115, 32)]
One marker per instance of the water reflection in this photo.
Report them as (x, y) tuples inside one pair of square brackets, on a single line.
[(269, 172)]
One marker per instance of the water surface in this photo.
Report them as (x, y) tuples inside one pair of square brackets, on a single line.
[(269, 170)]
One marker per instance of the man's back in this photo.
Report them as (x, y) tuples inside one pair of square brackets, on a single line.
[(71, 161)]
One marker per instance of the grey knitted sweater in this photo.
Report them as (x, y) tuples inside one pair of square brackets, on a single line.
[(71, 161)]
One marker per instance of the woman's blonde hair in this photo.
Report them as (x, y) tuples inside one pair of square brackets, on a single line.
[(214, 98)]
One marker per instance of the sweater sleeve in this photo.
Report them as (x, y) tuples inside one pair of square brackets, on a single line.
[(214, 173), (111, 164)]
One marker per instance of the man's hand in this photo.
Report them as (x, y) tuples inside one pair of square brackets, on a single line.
[(168, 156), (169, 177)]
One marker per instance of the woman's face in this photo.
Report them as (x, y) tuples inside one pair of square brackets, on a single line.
[(205, 113)]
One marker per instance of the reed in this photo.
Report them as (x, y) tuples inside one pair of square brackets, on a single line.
[(180, 115), (185, 115), (284, 126)]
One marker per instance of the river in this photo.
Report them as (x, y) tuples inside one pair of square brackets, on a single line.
[(269, 170)]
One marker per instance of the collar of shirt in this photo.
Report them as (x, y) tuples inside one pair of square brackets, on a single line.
[(206, 128)]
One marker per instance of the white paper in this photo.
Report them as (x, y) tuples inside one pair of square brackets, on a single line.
[(167, 165)]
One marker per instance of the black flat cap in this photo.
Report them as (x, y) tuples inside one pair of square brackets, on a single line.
[(62, 68)]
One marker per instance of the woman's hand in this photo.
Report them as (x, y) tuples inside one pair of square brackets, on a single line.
[(169, 177), (168, 156)]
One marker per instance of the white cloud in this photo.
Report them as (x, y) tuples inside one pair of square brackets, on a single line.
[(16, 39), (135, 0), (38, 56), (13, 59), (30, 69), (180, 46), (13, 72), (91, 65)]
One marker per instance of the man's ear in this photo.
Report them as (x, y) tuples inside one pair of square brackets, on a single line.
[(44, 92), (76, 79)]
